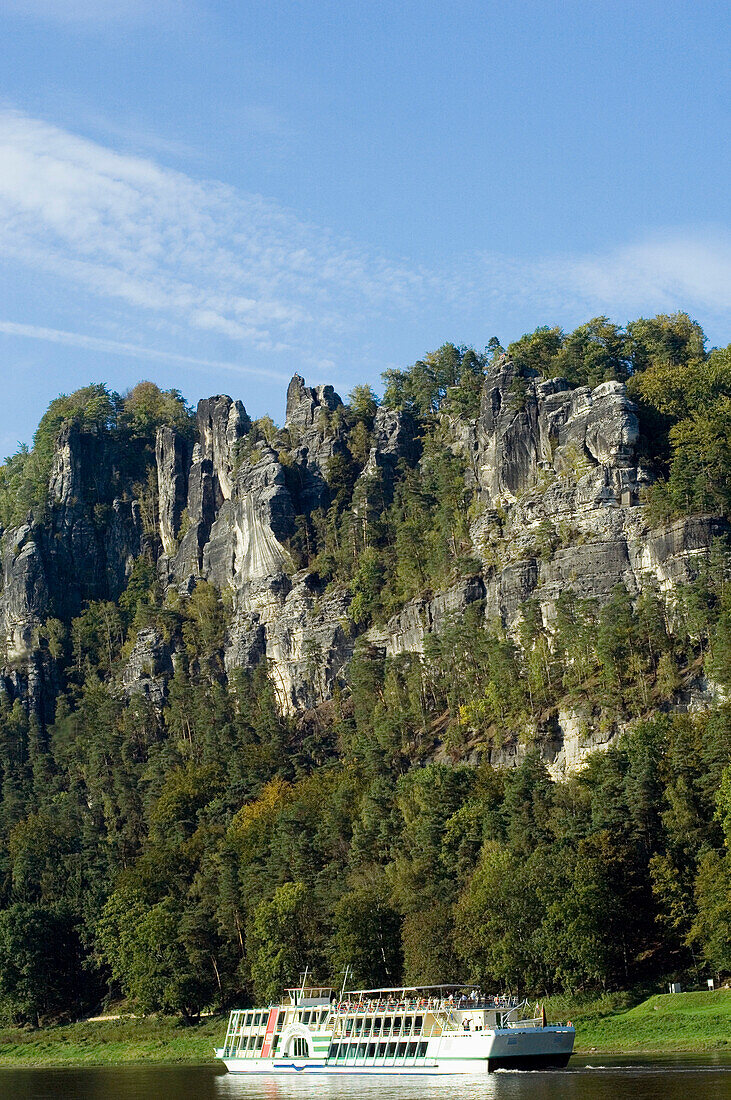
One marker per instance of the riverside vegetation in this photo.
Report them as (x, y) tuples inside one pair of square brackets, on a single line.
[(605, 1023), (199, 842)]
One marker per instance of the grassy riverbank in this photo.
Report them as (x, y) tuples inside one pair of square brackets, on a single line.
[(112, 1042), (613, 1024), (663, 1023)]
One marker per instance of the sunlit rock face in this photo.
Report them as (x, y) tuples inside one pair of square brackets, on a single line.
[(529, 432), (316, 438), (395, 439), (172, 453), (558, 478)]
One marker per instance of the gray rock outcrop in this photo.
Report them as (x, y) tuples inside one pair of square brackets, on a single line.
[(315, 441), (172, 453), (558, 477), (395, 440)]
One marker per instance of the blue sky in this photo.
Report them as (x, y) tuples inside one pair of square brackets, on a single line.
[(217, 194)]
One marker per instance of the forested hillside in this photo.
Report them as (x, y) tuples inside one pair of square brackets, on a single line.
[(436, 686)]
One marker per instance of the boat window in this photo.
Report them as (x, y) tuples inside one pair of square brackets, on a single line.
[(334, 1050), (362, 1048), (413, 1047), (305, 1017), (391, 1050), (402, 1050), (372, 1047), (377, 1025), (422, 1049), (387, 1021), (368, 1025), (397, 1023), (418, 1022)]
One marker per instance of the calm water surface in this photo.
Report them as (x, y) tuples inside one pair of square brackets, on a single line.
[(678, 1078)]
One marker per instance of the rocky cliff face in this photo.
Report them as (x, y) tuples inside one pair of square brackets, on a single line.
[(83, 550), (558, 477)]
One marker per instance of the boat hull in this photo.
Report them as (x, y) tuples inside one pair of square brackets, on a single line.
[(510, 1048), (530, 1061)]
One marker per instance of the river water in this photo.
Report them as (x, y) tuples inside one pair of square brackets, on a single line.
[(706, 1077)]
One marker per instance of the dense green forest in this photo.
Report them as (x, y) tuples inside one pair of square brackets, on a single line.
[(203, 852)]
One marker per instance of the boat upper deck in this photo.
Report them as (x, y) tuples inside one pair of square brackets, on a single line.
[(440, 998)]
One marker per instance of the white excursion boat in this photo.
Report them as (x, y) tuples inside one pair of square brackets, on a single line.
[(404, 1031)]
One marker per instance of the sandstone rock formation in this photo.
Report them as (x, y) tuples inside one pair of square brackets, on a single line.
[(559, 478)]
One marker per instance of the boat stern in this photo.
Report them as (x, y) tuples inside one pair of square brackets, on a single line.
[(532, 1047)]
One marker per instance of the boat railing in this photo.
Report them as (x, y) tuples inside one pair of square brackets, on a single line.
[(427, 1004), (537, 1021)]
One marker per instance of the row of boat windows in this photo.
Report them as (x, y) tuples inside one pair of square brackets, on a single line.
[(342, 1052), (254, 1042), (382, 1025), (253, 1020), (313, 1019)]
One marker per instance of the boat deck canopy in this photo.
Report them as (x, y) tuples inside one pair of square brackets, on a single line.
[(407, 989)]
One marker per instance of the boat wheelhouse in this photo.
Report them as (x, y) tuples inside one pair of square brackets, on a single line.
[(402, 1030)]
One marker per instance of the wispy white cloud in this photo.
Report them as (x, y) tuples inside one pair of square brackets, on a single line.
[(663, 272), (689, 270), (198, 251), (131, 351), (198, 259)]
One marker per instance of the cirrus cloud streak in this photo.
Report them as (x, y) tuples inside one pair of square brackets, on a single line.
[(194, 260)]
